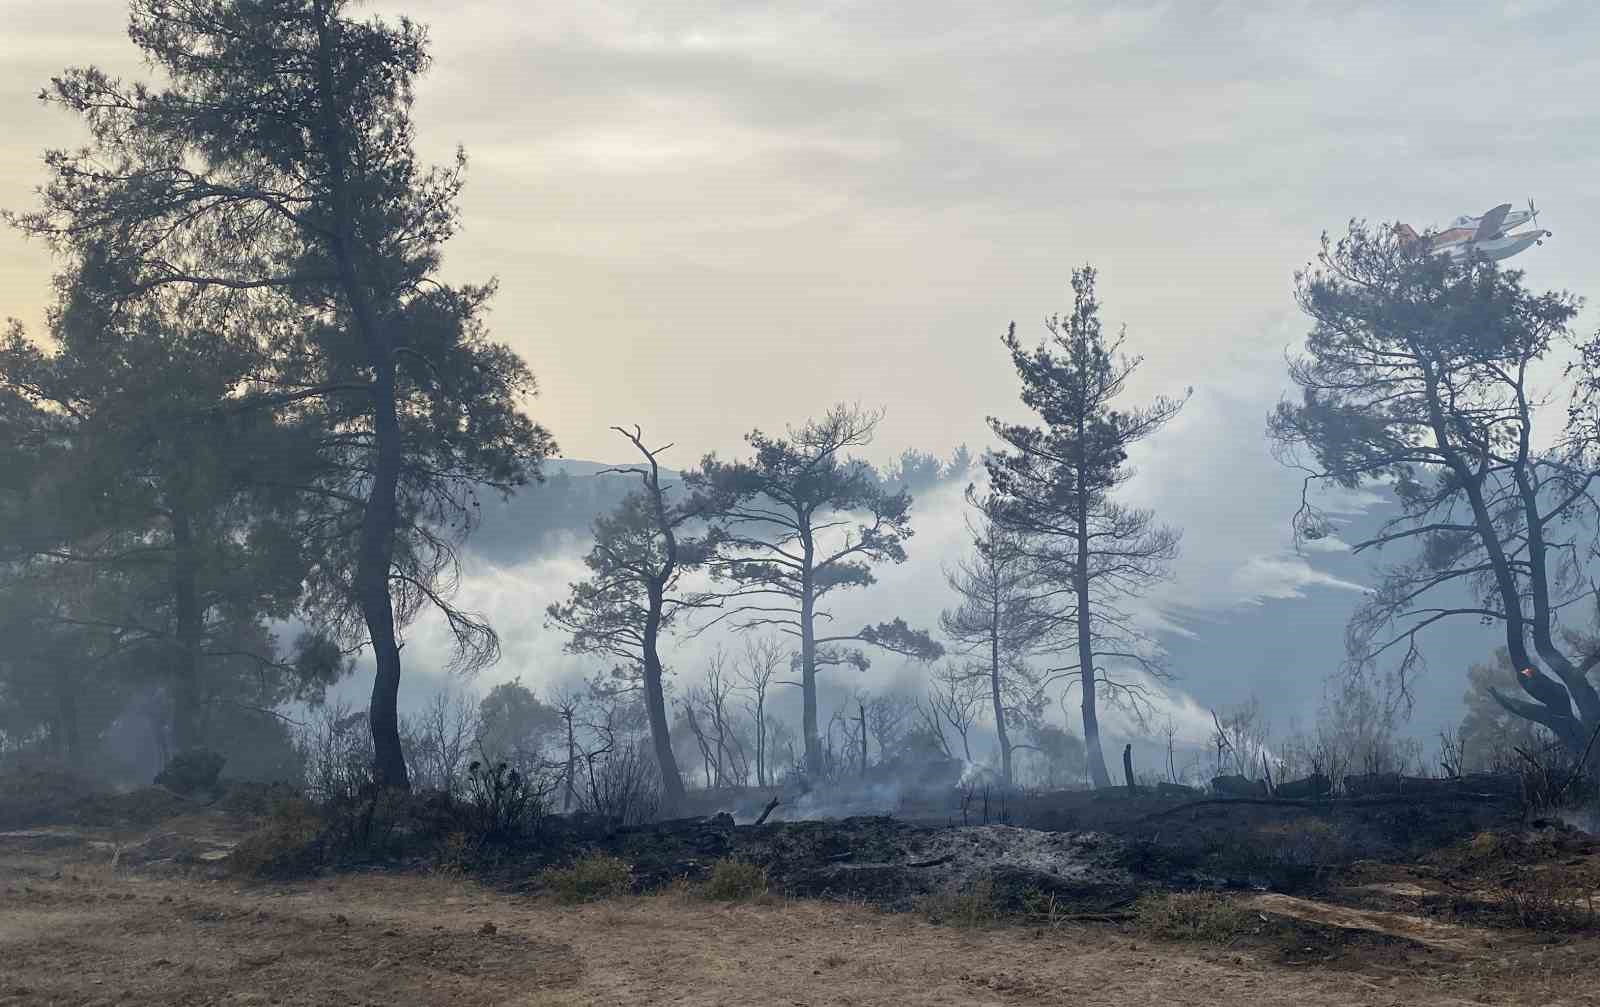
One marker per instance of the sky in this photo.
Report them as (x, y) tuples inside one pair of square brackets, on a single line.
[(710, 215)]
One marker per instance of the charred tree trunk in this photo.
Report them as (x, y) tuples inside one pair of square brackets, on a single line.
[(700, 741), (761, 741), (380, 520), (68, 727), (999, 705), (808, 671), (1091, 717), (186, 730), (1553, 706), (572, 764), (372, 577), (672, 791), (861, 709), (1091, 720)]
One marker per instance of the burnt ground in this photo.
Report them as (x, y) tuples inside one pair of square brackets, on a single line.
[(1458, 902), (1122, 839)]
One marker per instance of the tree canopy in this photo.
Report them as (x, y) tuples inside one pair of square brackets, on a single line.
[(1417, 376)]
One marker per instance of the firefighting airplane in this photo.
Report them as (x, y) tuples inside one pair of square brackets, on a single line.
[(1488, 235)]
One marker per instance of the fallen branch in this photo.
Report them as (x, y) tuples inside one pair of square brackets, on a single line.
[(767, 810), (935, 862), (1344, 802), (1086, 918)]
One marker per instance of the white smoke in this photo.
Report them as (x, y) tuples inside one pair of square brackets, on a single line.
[(1245, 564)]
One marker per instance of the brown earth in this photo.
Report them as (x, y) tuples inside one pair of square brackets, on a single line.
[(171, 930)]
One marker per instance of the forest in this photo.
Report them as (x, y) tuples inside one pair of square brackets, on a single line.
[(256, 440), (655, 565)]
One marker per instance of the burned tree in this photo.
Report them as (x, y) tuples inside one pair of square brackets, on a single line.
[(1053, 485), (710, 715), (954, 699), (763, 658), (888, 717), (803, 522), (567, 701), (1416, 377), (632, 596), (440, 738), (1001, 619)]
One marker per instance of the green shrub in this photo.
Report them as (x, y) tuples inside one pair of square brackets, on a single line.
[(1192, 916), (591, 877), (735, 881)]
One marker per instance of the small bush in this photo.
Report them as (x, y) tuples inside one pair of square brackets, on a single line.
[(256, 800), (455, 855), (506, 804), (591, 877), (1549, 901), (968, 906), (287, 843), (1192, 916), (32, 795), (623, 785), (192, 772), (735, 881)]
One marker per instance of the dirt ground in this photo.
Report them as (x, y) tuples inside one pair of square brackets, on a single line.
[(73, 930)]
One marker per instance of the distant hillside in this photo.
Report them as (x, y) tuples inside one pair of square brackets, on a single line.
[(572, 495), (575, 492)]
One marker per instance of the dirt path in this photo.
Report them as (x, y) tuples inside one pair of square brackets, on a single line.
[(89, 936)]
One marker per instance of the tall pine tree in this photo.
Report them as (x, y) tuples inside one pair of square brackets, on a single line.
[(1054, 484), (275, 172)]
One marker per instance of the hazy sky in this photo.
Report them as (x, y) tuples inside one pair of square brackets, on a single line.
[(708, 216)]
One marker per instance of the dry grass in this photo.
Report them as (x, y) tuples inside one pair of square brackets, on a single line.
[(281, 844), (1193, 916), (406, 940), (735, 881), (1549, 901), (970, 906)]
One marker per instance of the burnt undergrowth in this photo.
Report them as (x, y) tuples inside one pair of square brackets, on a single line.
[(1062, 856)]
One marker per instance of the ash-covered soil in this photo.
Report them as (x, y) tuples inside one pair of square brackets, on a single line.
[(884, 861)]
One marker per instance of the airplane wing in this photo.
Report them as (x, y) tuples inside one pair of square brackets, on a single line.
[(1491, 223)]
